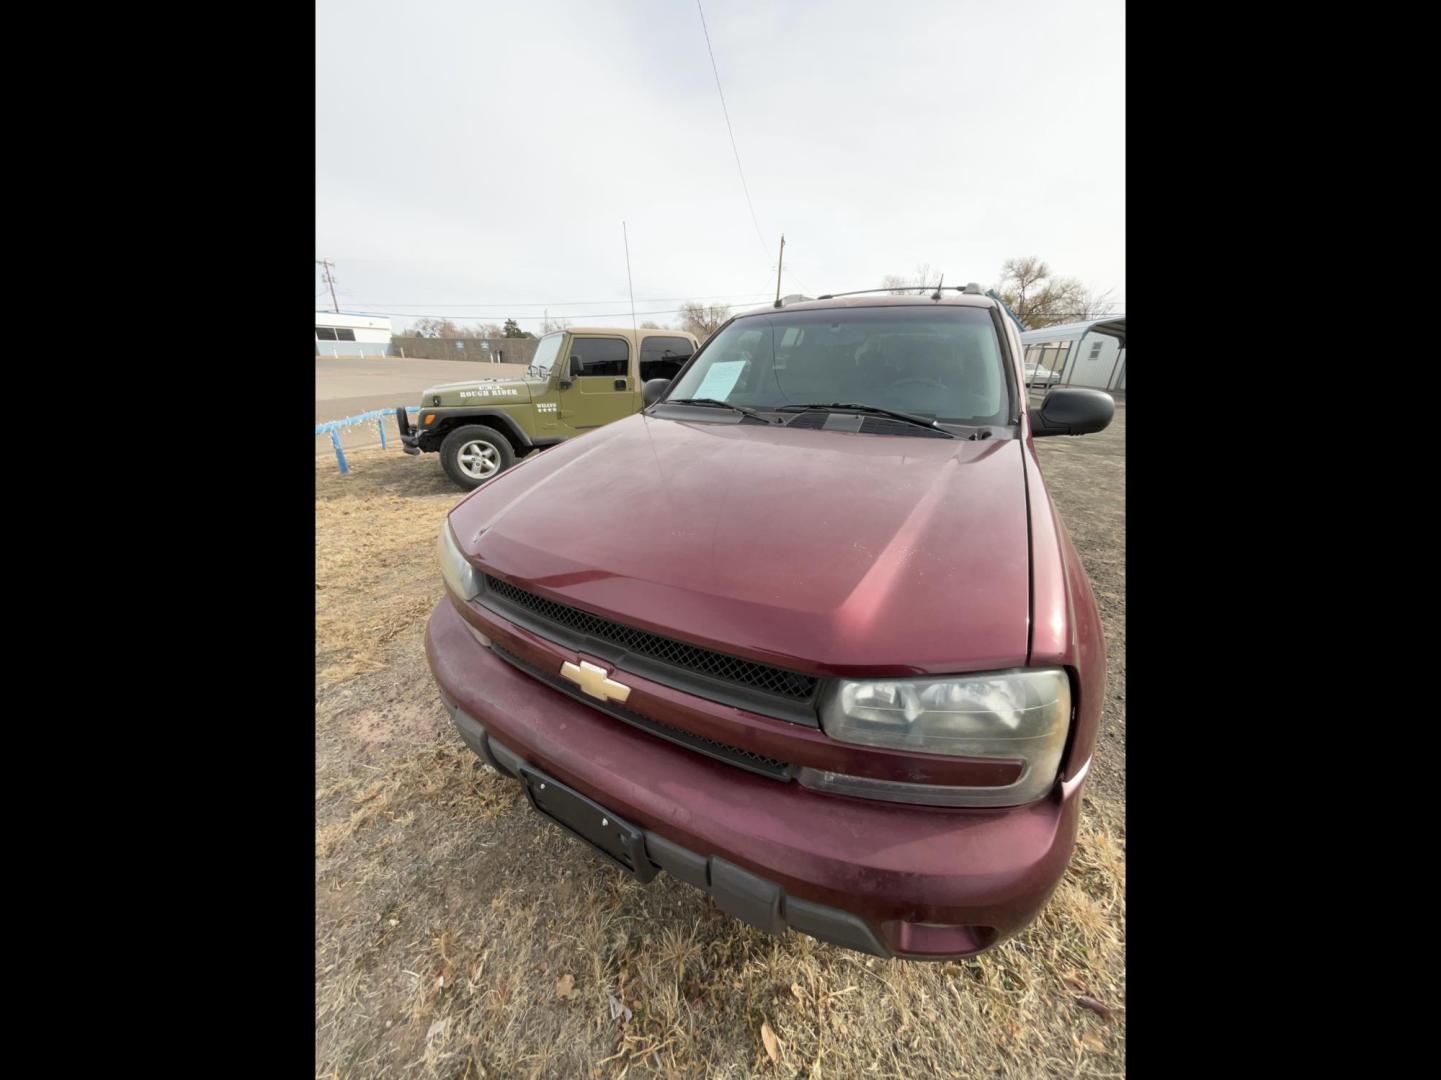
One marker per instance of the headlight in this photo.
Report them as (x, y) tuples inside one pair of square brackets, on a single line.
[(1024, 715), (455, 567)]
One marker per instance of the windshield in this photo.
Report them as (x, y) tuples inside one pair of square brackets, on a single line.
[(935, 362), (545, 353)]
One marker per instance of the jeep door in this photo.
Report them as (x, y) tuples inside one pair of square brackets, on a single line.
[(601, 386)]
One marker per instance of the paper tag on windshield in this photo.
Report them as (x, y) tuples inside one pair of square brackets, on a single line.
[(719, 379)]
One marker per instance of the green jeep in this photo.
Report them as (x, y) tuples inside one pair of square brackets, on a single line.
[(481, 427)]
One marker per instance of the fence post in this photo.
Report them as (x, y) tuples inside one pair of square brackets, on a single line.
[(381, 424), (339, 453)]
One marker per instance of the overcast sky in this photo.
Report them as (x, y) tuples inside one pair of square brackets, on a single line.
[(474, 152)]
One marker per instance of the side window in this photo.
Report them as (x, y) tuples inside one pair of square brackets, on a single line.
[(324, 333), (662, 357), (608, 357), (345, 335), (1095, 350)]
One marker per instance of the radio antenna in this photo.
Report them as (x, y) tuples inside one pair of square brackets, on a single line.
[(779, 263), (937, 294), (628, 284)]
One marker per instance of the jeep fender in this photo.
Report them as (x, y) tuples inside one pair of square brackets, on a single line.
[(493, 417)]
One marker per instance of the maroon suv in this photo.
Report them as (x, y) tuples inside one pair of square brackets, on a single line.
[(806, 633)]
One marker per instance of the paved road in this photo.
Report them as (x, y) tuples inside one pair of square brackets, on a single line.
[(344, 387)]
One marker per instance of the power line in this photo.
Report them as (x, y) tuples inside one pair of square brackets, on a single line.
[(517, 318), (574, 303), (760, 239), (798, 281), (672, 311)]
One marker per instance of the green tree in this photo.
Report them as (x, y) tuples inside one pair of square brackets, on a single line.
[(512, 330)]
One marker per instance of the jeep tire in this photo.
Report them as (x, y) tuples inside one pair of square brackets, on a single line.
[(474, 453)]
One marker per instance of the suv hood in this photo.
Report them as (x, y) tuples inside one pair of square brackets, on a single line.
[(822, 551), (473, 391)]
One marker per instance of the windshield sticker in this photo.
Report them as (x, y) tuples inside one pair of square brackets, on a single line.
[(720, 379)]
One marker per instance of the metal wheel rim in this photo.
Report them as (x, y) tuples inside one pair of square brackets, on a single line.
[(478, 460)]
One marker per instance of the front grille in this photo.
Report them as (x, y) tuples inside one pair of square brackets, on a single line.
[(791, 685), (734, 755)]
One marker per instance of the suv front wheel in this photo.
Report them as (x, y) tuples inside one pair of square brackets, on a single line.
[(472, 454)]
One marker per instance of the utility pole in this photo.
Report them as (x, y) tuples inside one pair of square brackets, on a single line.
[(327, 271)]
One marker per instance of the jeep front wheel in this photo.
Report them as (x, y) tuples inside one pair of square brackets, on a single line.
[(473, 454)]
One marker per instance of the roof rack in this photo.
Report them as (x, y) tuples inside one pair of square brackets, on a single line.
[(970, 289)]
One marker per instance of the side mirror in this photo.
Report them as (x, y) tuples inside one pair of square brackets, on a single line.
[(653, 389), (576, 369), (1072, 411)]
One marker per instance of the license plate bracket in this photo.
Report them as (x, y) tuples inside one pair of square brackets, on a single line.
[(617, 840)]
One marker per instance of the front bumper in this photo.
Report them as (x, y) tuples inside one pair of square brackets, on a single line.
[(409, 437), (885, 878)]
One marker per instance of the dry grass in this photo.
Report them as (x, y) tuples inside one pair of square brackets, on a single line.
[(460, 935)]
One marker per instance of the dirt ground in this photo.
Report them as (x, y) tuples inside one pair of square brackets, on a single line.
[(459, 934)]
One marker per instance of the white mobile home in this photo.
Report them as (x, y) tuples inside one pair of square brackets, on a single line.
[(1091, 353), (338, 334)]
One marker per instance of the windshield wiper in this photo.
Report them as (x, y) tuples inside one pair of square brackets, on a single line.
[(842, 406), (723, 404)]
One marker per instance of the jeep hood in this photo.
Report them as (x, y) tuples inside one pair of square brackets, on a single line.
[(823, 551), (500, 391)]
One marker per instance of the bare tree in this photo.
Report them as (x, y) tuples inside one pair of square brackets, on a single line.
[(1039, 298), (1097, 304), (436, 328), (648, 325), (703, 320), (920, 280), (550, 326)]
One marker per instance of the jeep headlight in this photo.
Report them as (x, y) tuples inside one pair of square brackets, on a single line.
[(455, 568), (1023, 715)]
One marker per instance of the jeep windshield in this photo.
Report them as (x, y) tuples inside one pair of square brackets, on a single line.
[(545, 353), (939, 363)]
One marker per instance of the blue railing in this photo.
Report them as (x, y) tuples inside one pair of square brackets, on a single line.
[(332, 427)]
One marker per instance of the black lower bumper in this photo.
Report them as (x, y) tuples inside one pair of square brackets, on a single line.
[(409, 436), (749, 897)]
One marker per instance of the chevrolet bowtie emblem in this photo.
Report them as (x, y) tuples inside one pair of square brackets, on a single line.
[(594, 681)]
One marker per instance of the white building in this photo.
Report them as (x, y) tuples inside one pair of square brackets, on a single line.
[(351, 335), (1091, 353)]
